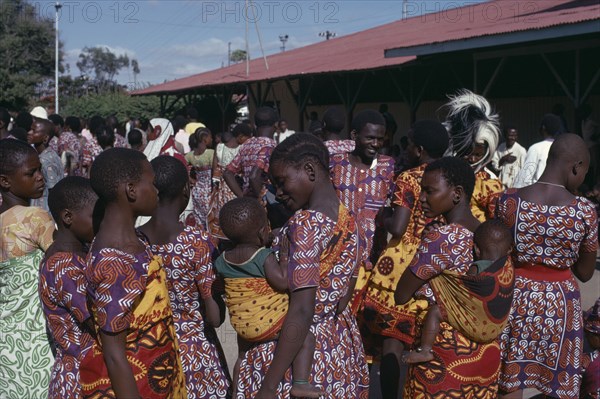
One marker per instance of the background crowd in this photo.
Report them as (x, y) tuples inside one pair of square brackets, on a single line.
[(123, 242)]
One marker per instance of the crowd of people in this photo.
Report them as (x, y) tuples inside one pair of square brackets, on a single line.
[(124, 243)]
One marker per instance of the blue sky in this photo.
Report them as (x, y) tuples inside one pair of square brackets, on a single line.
[(177, 38)]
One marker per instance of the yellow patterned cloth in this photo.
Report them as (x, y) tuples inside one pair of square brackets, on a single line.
[(256, 310), (25, 356), (130, 293), (378, 314), (478, 306), (24, 229), (487, 188)]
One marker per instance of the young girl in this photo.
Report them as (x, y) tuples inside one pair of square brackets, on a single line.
[(26, 231), (62, 285), (187, 254), (136, 351), (201, 160), (323, 257), (253, 275)]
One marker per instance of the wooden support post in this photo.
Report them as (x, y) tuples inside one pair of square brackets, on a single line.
[(494, 76), (558, 78)]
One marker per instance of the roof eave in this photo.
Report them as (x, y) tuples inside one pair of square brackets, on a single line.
[(500, 39)]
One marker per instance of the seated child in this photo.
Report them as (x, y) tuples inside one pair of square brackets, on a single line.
[(136, 353), (255, 284), (590, 384), (62, 284), (492, 241)]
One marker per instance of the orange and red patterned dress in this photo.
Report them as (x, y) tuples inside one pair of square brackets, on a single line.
[(129, 293), (379, 316), (487, 189)]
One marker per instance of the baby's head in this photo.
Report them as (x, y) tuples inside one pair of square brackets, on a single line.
[(244, 221), (492, 240)]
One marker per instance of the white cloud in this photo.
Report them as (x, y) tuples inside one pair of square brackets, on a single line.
[(182, 60)]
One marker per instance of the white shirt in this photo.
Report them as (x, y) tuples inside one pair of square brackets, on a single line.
[(535, 163), (279, 137), (182, 141), (509, 171)]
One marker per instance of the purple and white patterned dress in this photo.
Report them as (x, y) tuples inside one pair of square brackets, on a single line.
[(255, 152), (190, 278), (363, 191), (542, 344), (62, 289)]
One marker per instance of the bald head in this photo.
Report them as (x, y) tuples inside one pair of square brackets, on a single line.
[(568, 148), (45, 125)]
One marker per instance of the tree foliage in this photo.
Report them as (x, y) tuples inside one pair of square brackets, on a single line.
[(27, 52), (101, 65), (119, 104), (238, 55)]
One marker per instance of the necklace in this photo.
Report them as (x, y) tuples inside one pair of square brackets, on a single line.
[(550, 184)]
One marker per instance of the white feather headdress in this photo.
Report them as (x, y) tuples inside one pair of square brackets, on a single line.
[(471, 120)]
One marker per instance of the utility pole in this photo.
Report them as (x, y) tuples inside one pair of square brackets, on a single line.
[(57, 6), (229, 54), (327, 35), (283, 39)]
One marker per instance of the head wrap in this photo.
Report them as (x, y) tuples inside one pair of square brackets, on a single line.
[(153, 148), (470, 121)]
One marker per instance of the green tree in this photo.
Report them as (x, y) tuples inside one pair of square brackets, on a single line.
[(102, 64), (26, 52), (119, 104), (238, 56)]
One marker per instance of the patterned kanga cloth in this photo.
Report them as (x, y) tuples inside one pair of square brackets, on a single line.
[(191, 278), (461, 367), (62, 290), (542, 345), (129, 293), (25, 355)]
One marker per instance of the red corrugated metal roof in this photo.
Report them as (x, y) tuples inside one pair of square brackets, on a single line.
[(365, 50)]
